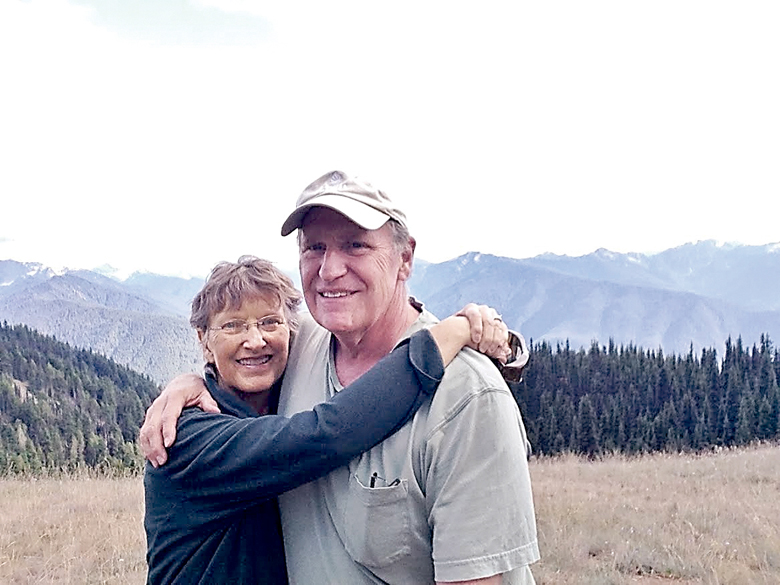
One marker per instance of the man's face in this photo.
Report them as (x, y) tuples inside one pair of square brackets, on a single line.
[(350, 276)]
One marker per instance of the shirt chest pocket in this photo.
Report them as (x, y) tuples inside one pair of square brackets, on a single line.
[(377, 523)]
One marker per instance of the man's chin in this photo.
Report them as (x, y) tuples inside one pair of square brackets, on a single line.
[(336, 324)]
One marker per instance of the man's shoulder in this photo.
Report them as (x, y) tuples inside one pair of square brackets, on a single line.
[(468, 375), (309, 333), (310, 339), (305, 379), (473, 372), (471, 380)]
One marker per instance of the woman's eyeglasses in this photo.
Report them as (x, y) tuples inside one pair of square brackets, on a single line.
[(236, 326)]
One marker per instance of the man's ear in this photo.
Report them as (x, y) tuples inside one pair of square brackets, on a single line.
[(208, 355), (407, 259)]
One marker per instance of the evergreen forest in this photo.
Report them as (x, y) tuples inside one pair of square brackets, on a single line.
[(63, 408), (609, 399)]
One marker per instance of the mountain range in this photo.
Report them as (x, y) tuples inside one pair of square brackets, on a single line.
[(693, 296), (140, 326)]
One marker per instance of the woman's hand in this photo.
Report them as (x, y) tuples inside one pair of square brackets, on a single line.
[(477, 326), (489, 334)]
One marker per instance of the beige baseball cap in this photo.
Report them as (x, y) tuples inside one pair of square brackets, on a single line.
[(358, 200)]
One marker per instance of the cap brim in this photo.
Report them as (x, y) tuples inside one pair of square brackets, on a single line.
[(364, 215)]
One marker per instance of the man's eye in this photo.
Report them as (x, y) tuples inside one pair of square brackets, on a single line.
[(357, 245)]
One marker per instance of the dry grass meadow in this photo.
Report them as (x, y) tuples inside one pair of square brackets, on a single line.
[(712, 519), (662, 519)]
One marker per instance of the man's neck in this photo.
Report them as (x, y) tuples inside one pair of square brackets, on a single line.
[(356, 355)]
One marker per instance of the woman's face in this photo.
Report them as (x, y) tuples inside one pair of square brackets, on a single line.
[(248, 359)]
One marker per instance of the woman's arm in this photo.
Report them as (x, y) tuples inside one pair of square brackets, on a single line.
[(233, 462), (474, 325)]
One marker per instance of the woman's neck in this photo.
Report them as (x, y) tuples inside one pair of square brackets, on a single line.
[(259, 401)]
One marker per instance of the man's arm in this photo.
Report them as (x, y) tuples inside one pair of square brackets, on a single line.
[(159, 429), (478, 488)]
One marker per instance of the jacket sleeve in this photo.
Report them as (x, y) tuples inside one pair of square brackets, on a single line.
[(235, 462)]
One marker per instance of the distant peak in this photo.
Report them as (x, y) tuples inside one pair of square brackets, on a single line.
[(604, 253), (470, 257), (711, 244), (111, 272), (35, 268)]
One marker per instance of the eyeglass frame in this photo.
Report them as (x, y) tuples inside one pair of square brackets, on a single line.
[(243, 326)]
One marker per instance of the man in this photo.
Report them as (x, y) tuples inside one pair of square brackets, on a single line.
[(445, 499), (211, 513), (448, 497)]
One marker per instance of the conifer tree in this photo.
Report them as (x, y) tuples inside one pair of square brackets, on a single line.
[(587, 428)]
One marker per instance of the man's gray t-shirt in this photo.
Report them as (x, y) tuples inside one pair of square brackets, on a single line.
[(447, 498)]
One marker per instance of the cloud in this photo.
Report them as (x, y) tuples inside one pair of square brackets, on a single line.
[(177, 22)]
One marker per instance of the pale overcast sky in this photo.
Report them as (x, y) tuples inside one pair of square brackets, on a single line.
[(167, 135)]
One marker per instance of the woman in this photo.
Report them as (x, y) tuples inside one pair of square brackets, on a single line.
[(211, 514)]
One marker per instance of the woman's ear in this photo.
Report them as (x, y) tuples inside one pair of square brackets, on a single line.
[(208, 355)]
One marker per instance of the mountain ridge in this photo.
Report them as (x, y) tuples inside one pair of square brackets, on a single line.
[(695, 295)]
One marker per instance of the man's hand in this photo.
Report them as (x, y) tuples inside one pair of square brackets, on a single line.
[(489, 333), (159, 429)]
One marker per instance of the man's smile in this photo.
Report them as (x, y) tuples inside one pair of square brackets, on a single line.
[(335, 294)]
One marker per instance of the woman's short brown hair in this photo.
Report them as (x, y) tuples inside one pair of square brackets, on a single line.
[(230, 283)]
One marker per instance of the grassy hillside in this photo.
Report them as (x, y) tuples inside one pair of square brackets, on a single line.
[(709, 519)]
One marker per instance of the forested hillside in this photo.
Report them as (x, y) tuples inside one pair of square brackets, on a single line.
[(624, 399), (61, 408)]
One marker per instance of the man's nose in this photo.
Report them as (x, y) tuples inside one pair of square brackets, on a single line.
[(332, 266)]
